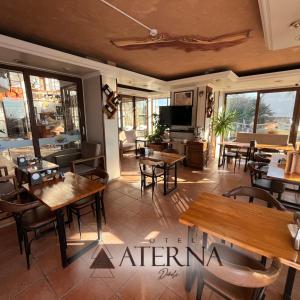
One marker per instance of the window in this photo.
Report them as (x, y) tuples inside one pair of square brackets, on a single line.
[(132, 114), (141, 116), (127, 116), (159, 102), (265, 112), (244, 104), (52, 107), (275, 113), (15, 129)]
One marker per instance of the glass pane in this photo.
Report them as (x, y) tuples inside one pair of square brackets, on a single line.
[(127, 113), (156, 103), (275, 114), (15, 131), (56, 113), (141, 117), (160, 102), (244, 104)]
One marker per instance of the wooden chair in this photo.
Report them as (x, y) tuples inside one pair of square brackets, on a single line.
[(239, 277), (29, 217), (255, 193), (232, 153), (79, 208), (257, 174), (150, 169)]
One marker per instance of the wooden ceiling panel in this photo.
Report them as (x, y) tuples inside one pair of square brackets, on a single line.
[(87, 28)]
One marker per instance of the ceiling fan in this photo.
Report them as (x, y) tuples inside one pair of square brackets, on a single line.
[(156, 40)]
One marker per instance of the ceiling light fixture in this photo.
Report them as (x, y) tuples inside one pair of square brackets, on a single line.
[(295, 25), (152, 31)]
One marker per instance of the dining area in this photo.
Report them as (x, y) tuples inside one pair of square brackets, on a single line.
[(45, 199)]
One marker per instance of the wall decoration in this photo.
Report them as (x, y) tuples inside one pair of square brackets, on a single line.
[(112, 101), (210, 104), (187, 43), (183, 98)]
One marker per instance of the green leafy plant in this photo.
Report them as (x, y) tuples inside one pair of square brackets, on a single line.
[(158, 130), (224, 123)]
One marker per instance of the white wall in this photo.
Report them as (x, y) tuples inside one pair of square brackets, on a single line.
[(100, 129), (93, 110)]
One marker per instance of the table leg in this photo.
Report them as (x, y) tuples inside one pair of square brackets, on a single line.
[(175, 171), (136, 150), (190, 273), (62, 237), (165, 179), (288, 289), (98, 214), (220, 162)]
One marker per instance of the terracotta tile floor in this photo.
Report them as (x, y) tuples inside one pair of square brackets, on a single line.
[(132, 220)]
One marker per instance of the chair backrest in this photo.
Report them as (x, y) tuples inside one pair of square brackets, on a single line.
[(145, 162), (130, 136), (90, 150), (102, 174), (170, 150), (255, 169), (253, 192), (16, 208), (262, 138), (240, 270)]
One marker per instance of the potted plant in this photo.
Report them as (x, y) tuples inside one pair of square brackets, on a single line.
[(223, 123), (155, 139)]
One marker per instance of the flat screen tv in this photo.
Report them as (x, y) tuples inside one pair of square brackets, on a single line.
[(175, 115)]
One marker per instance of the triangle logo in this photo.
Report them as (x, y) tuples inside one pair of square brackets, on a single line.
[(102, 261)]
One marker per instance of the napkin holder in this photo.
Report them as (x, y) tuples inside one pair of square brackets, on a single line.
[(295, 231)]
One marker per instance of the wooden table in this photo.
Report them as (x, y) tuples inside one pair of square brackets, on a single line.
[(229, 144), (277, 173), (170, 161), (255, 228), (59, 193)]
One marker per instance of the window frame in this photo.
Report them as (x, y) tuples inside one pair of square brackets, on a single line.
[(27, 72), (296, 110)]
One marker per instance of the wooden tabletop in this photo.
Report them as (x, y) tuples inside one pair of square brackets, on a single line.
[(277, 172), (168, 158), (253, 227), (58, 193), (288, 147)]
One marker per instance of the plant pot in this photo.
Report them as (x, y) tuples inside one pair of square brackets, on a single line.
[(157, 147)]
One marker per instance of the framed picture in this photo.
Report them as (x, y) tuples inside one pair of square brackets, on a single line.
[(183, 98)]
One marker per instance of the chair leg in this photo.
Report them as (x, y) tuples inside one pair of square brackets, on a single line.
[(20, 235), (234, 164), (27, 248), (152, 185)]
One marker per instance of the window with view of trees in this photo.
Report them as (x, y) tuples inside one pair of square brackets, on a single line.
[(244, 104), (264, 112)]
